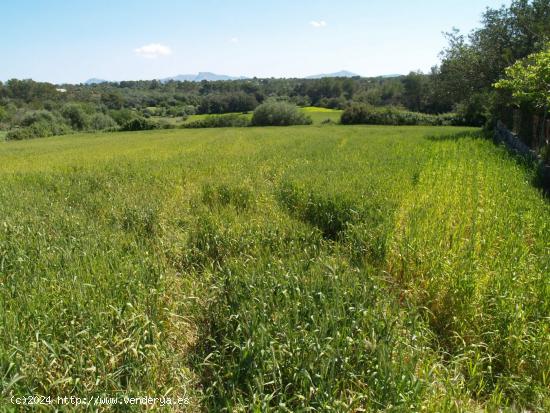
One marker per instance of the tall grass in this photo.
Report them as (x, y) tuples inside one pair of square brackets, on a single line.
[(471, 247), (286, 269)]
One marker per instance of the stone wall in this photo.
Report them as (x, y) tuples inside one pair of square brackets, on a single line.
[(512, 141)]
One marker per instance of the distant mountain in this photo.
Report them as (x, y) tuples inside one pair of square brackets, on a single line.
[(182, 78), (213, 77), (342, 73), (94, 81), (202, 76)]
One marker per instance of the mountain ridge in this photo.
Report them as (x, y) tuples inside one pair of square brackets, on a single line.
[(212, 77), (202, 76), (341, 73)]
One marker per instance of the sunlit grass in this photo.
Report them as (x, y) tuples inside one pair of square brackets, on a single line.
[(320, 115), (323, 267), (317, 114)]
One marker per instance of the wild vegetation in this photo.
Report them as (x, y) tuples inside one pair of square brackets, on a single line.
[(219, 121), (471, 65), (360, 113), (322, 266), (310, 267), (279, 114)]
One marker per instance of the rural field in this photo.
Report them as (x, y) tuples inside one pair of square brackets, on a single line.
[(317, 115), (306, 268)]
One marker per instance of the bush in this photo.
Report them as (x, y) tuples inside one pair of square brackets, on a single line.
[(356, 113), (100, 121), (333, 103), (76, 116), (39, 129), (19, 134), (279, 114), (188, 110), (164, 124), (475, 110), (139, 124), (123, 116), (50, 128), (38, 124), (35, 116), (360, 113), (219, 121)]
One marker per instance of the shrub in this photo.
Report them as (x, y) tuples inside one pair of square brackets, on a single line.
[(182, 111), (50, 128), (122, 116), (359, 113), (19, 134), (474, 111), (38, 124), (39, 129), (279, 114), (100, 121), (219, 121), (35, 116), (139, 124), (76, 116), (356, 113), (165, 124), (333, 103)]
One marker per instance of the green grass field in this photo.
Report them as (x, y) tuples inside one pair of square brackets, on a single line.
[(318, 115), (306, 268)]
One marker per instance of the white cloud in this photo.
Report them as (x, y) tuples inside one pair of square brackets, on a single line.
[(153, 50), (234, 40), (318, 23)]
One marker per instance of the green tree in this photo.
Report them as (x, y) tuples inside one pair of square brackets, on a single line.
[(529, 82), (112, 100), (471, 64), (415, 90)]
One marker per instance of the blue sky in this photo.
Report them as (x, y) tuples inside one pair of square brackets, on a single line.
[(71, 41)]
